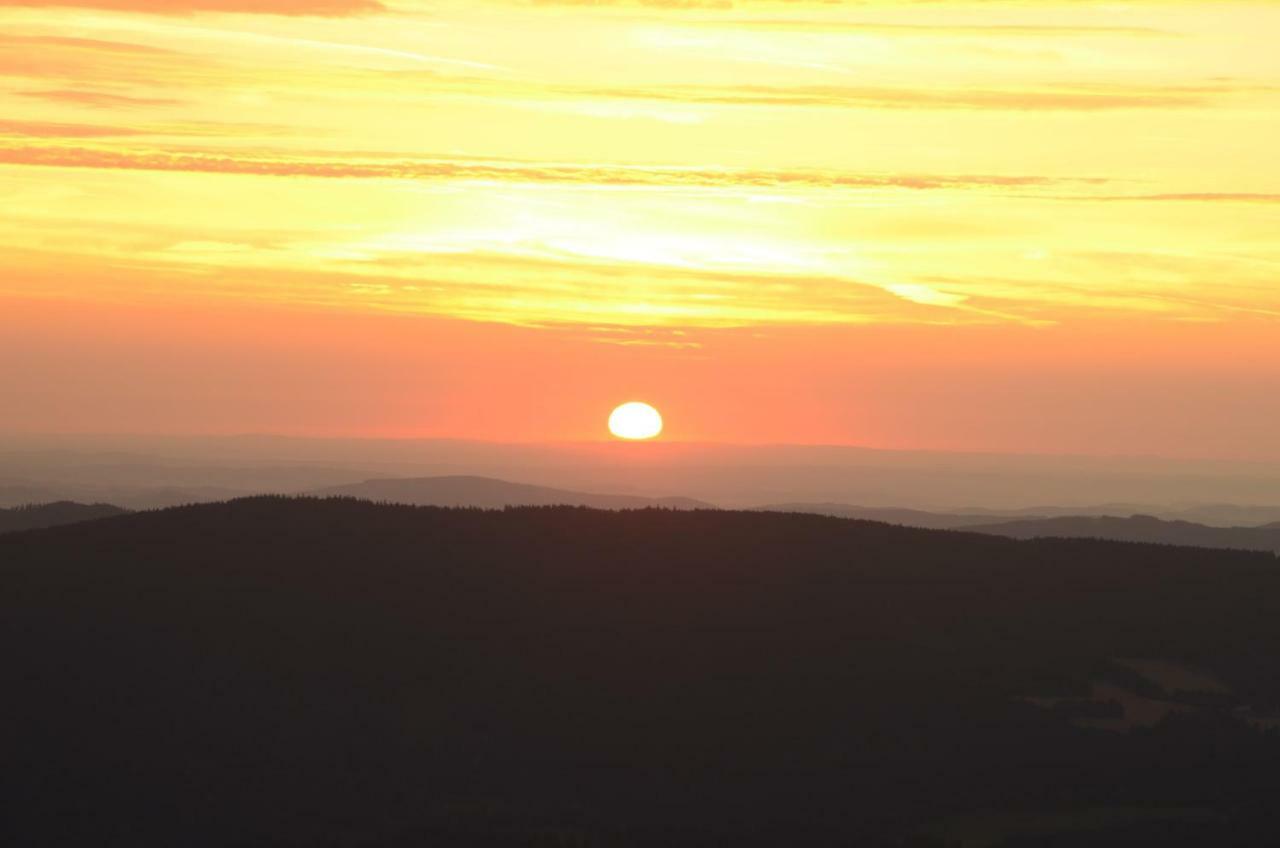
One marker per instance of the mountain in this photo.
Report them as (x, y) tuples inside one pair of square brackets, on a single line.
[(339, 673), (1139, 528), (53, 514), (488, 493), (741, 476), (892, 515), (1223, 515), (148, 480), (1214, 515)]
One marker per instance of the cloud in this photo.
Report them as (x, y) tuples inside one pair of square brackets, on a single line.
[(835, 25), (656, 4), (526, 291), (504, 171), (1199, 197), (56, 130), (74, 62), (326, 8), (97, 98), (49, 129), (97, 44), (814, 5), (1054, 97)]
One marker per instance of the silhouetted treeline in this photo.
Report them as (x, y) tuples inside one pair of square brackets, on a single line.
[(37, 516), (337, 673)]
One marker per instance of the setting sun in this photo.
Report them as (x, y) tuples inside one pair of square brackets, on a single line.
[(636, 421)]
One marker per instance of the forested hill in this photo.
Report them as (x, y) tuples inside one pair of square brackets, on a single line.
[(338, 673), (53, 514)]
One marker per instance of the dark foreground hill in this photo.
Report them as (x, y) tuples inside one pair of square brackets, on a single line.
[(275, 672), (53, 514), (489, 493), (1139, 528)]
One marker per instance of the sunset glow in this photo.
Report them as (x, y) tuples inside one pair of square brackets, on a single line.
[(891, 223)]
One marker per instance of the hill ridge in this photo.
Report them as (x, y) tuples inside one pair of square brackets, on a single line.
[(492, 492)]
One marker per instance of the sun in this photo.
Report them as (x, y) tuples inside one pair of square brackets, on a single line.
[(635, 421)]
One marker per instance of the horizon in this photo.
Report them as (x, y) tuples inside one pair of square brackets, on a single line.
[(164, 470), (652, 446)]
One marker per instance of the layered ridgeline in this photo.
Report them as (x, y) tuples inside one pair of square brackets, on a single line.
[(340, 673), (489, 493), (897, 515), (1132, 528), (36, 516), (1211, 515), (1139, 528)]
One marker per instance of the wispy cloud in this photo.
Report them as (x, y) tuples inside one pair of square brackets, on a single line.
[(74, 61), (807, 5), (49, 129), (58, 130), (96, 44), (828, 25), (103, 99), (525, 291), (70, 61), (1048, 97), (505, 171), (1195, 197), (181, 7)]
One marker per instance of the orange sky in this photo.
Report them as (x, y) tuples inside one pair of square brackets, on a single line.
[(1013, 226)]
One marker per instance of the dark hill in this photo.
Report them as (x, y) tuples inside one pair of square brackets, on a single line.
[(274, 672), (1139, 528), (488, 493), (53, 514)]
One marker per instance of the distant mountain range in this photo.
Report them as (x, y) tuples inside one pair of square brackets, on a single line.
[(895, 515), (1133, 528), (53, 515), (151, 471), (1213, 515), (1139, 528), (1216, 515), (488, 493)]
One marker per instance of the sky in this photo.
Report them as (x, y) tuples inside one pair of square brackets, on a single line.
[(987, 226)]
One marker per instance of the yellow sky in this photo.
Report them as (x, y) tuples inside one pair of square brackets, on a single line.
[(650, 171)]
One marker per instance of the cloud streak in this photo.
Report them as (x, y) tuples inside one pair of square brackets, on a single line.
[(51, 129), (100, 99), (836, 25), (535, 292), (1050, 97), (1197, 197), (324, 8), (62, 156), (71, 61), (96, 44)]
